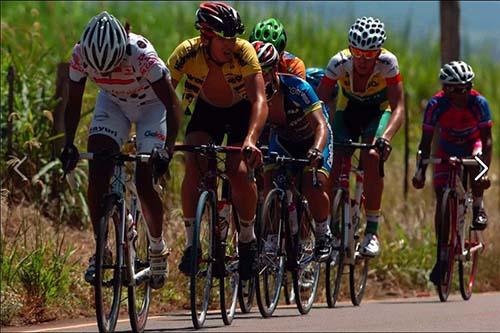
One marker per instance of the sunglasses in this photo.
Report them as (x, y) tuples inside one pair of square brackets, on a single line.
[(458, 89), (367, 54)]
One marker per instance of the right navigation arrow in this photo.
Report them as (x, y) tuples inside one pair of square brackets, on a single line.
[(483, 166)]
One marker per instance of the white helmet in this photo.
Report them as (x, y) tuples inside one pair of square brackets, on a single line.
[(367, 33), (456, 72), (103, 42)]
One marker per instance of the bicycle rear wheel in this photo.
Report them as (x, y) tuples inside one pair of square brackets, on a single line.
[(201, 267), (306, 277), (108, 263), (139, 289), (229, 283), (271, 261), (446, 244), (335, 265)]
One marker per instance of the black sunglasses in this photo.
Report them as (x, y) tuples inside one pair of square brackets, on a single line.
[(455, 89)]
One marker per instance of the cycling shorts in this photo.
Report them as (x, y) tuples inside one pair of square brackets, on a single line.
[(114, 120), (217, 121), (299, 150), (368, 125)]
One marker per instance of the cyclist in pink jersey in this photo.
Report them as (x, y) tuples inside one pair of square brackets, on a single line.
[(135, 87), (464, 120)]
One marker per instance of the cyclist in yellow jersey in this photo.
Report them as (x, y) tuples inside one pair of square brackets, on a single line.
[(370, 104), (224, 82)]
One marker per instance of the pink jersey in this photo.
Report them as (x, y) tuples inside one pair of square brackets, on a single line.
[(458, 127), (130, 82)]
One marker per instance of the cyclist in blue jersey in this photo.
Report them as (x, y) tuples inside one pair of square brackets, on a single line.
[(299, 129), (313, 77)]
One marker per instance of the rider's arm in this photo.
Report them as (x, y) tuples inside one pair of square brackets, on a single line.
[(73, 109), (485, 125), (254, 85), (396, 101), (325, 93), (487, 142), (317, 122), (166, 93)]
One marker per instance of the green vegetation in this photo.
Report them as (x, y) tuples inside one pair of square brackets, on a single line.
[(37, 36)]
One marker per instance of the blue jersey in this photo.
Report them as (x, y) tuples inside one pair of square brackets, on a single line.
[(300, 99)]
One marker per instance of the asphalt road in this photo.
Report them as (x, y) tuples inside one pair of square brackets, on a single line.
[(480, 313)]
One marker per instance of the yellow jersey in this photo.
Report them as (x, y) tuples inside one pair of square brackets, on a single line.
[(188, 59)]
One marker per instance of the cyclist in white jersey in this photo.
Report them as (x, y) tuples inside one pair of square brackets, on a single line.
[(135, 87)]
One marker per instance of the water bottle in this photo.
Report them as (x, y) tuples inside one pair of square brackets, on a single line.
[(292, 213), (224, 209)]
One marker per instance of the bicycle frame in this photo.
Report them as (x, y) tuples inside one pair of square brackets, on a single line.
[(352, 206), (458, 185)]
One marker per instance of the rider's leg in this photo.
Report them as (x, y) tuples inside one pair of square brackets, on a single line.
[(480, 219), (151, 133), (318, 199), (100, 173), (244, 195)]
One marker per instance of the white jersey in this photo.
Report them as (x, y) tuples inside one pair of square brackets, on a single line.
[(130, 82)]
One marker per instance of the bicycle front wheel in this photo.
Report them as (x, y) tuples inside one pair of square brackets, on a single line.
[(467, 267), (271, 262), (230, 281), (335, 265), (201, 266), (139, 289), (446, 244), (358, 269), (108, 263), (306, 277)]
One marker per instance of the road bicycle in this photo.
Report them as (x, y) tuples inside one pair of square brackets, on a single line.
[(122, 256), (215, 239), (348, 225), (280, 243), (458, 240)]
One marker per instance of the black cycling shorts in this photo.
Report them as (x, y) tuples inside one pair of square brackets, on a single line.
[(217, 121)]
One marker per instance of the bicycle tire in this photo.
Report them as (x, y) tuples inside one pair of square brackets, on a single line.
[(335, 271), (107, 318), (268, 297), (446, 244), (246, 288), (139, 292), (305, 293), (358, 271), (202, 267), (230, 281)]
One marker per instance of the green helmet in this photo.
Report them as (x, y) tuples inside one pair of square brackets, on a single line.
[(270, 31)]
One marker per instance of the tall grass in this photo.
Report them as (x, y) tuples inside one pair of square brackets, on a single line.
[(36, 36)]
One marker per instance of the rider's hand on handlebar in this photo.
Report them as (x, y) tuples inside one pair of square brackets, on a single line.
[(418, 179), (69, 157), (252, 154), (384, 148), (159, 161), (315, 157)]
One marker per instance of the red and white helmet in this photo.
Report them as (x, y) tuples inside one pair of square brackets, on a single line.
[(103, 43), (219, 18), (267, 53)]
